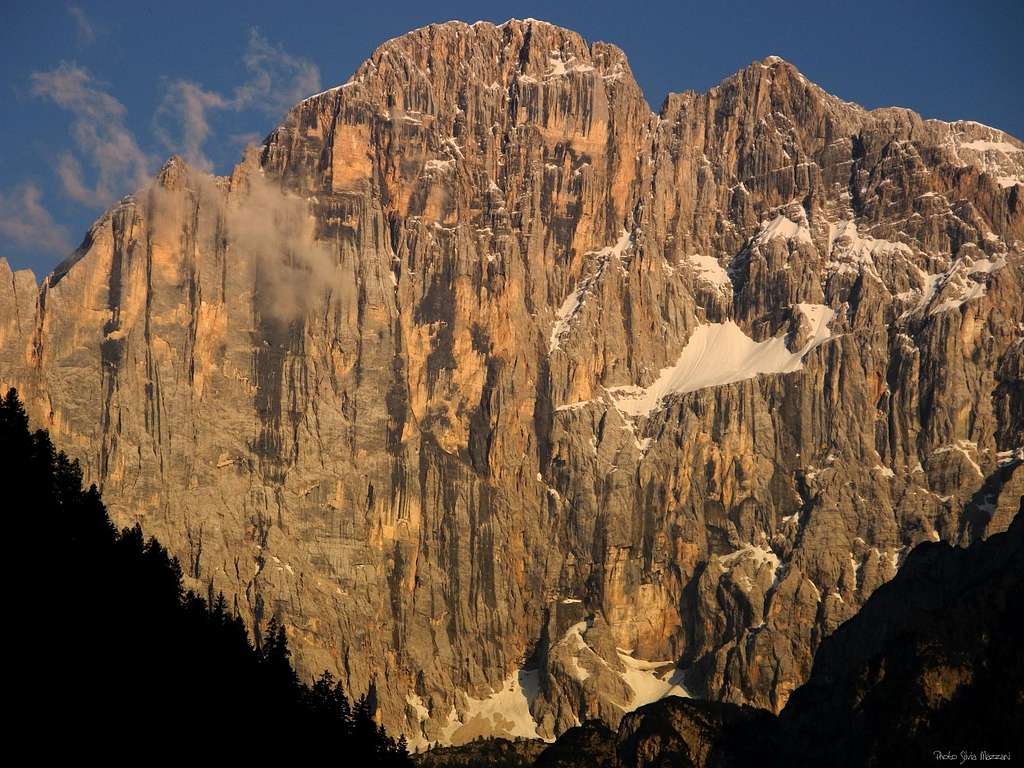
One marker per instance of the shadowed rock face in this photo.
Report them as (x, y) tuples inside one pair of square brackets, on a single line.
[(477, 362), (930, 664)]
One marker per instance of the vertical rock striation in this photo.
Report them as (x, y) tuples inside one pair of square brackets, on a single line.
[(524, 404)]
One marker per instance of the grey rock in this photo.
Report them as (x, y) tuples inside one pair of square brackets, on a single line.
[(387, 380)]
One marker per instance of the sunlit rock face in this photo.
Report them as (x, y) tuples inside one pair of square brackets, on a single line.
[(525, 404)]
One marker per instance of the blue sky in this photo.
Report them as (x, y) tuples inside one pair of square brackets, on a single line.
[(93, 96)]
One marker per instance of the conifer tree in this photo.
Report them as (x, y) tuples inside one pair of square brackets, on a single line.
[(127, 650)]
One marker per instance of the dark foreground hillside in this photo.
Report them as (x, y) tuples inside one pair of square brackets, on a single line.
[(929, 672), (114, 654)]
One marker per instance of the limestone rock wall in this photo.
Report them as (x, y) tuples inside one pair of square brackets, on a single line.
[(476, 348)]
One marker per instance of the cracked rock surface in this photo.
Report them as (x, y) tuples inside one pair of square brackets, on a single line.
[(522, 402)]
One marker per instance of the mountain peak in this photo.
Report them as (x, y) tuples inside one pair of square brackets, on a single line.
[(452, 54), (414, 401), (173, 172), (773, 64)]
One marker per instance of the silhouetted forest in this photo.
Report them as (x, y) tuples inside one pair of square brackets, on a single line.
[(119, 650)]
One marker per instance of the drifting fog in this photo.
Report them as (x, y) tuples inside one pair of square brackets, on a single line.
[(273, 232), (270, 234)]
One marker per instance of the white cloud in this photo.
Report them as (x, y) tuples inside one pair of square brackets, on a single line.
[(276, 81), (100, 135), (107, 161), (25, 221), (275, 233), (271, 235), (84, 26), (187, 104)]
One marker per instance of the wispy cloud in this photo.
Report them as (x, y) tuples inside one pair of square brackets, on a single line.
[(100, 134), (275, 234), (186, 105), (270, 232), (273, 229), (244, 139), (84, 26), (107, 159), (25, 221), (276, 81)]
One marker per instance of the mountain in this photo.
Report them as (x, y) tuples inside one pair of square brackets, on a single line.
[(930, 665), (527, 405), (131, 661)]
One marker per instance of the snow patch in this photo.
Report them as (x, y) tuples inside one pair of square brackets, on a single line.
[(968, 293), (574, 639), (718, 354), (962, 447), (647, 685), (438, 166), (1004, 458), (648, 680), (958, 284), (994, 155), (991, 146), (564, 315), (818, 317), (710, 271), (418, 743), (783, 227), (851, 252), (986, 266), (420, 709), (570, 308), (505, 713), (557, 66), (759, 555)]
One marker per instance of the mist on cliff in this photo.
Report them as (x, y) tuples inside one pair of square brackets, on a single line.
[(270, 234), (273, 232)]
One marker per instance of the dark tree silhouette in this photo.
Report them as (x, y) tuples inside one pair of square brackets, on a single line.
[(118, 653)]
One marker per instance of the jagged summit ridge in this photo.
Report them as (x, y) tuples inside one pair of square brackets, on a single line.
[(420, 37), (521, 402), (515, 36)]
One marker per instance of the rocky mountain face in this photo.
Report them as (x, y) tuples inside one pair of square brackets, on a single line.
[(526, 405), (931, 664)]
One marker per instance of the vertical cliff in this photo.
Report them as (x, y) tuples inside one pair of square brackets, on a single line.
[(525, 404)]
